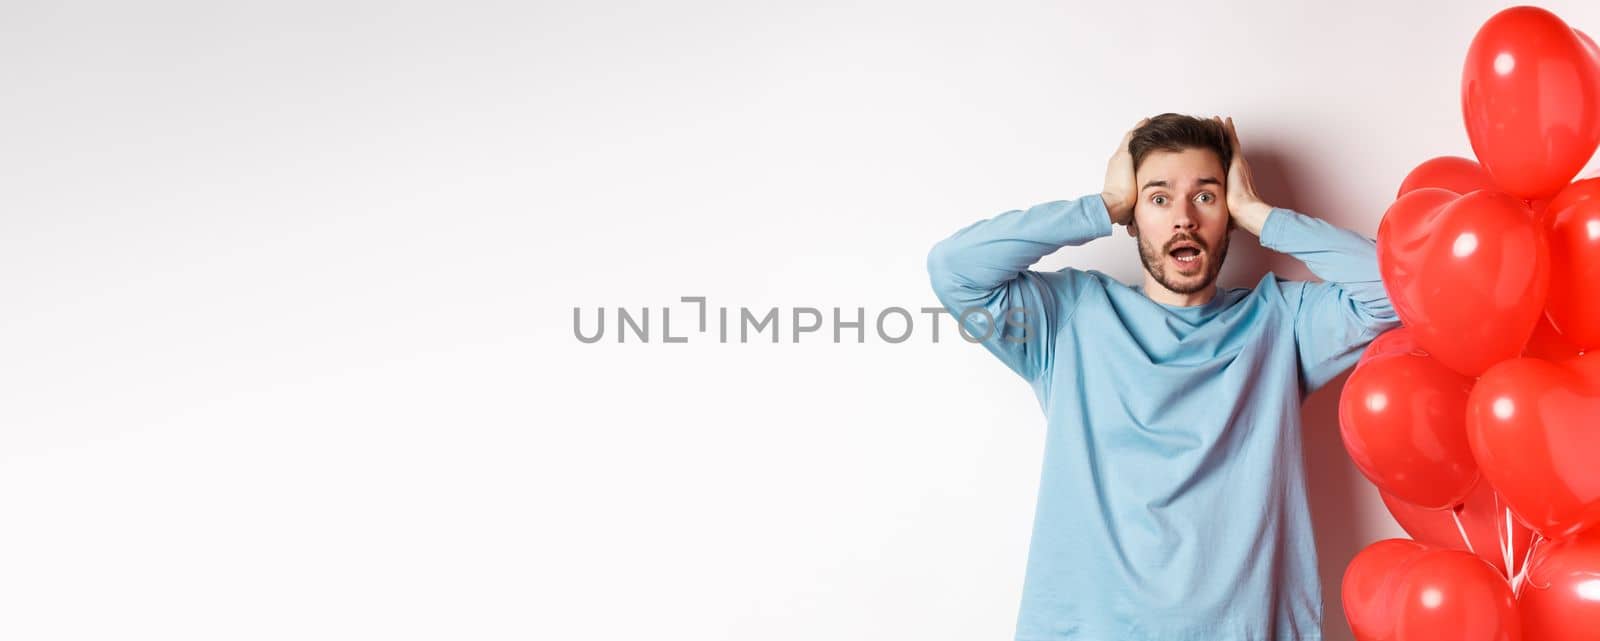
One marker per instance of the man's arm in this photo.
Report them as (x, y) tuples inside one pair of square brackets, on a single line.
[(1335, 318), (981, 275), (981, 272)]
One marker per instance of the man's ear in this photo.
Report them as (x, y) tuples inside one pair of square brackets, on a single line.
[(1133, 228)]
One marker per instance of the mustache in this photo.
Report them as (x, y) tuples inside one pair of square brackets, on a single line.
[(1185, 237)]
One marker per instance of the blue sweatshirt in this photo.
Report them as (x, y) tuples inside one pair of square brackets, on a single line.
[(1172, 504)]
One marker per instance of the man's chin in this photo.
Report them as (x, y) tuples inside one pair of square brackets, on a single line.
[(1186, 284)]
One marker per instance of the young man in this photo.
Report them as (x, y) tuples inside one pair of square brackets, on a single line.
[(1172, 505)]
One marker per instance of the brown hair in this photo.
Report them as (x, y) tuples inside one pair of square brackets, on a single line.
[(1177, 132)]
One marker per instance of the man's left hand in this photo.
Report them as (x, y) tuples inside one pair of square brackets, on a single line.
[(1244, 206)]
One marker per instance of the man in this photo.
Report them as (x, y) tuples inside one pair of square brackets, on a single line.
[(1172, 505)]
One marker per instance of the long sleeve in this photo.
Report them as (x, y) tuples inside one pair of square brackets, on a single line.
[(1335, 318), (981, 275)]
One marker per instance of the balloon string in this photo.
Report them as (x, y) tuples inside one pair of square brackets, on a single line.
[(1508, 546), (1528, 558), (1500, 538), (1522, 575), (1463, 530)]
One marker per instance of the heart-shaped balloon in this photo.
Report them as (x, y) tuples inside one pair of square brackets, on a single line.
[(1450, 595), (1589, 45), (1574, 241), (1453, 173), (1560, 601), (1403, 421), (1577, 192), (1395, 341), (1534, 428), (1368, 587), (1467, 274), (1483, 517), (1530, 95)]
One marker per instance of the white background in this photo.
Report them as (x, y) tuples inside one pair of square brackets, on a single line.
[(287, 348)]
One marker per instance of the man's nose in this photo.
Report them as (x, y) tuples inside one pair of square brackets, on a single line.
[(1187, 218)]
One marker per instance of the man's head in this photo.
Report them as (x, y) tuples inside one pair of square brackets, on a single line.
[(1181, 217)]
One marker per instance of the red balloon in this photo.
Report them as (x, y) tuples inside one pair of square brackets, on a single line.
[(1395, 341), (1588, 44), (1530, 94), (1560, 599), (1483, 516), (1532, 425), (1449, 595), (1537, 206), (1577, 192), (1468, 274), (1403, 420), (1453, 173), (1368, 588), (1572, 305), (1589, 47)]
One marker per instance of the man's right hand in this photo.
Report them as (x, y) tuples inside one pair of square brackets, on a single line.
[(1121, 192)]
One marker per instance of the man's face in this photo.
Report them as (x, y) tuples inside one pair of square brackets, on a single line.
[(1181, 218)]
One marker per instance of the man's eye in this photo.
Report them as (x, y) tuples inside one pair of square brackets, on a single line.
[(1205, 197), (1160, 201)]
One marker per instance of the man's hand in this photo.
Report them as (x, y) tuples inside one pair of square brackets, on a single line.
[(1244, 206), (1121, 192)]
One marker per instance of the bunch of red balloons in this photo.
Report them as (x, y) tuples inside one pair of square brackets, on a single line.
[(1479, 419)]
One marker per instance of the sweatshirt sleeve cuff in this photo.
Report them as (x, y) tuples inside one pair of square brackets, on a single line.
[(1099, 216), (1273, 229)]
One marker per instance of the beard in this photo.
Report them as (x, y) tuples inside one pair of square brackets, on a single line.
[(1156, 262)]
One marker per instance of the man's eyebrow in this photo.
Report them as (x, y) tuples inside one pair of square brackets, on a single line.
[(1162, 183)]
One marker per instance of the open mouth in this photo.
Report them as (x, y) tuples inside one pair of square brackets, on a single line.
[(1186, 254)]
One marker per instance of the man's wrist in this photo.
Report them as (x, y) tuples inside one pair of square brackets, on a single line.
[(1118, 212), (1252, 216)]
